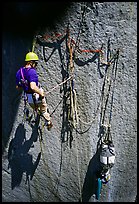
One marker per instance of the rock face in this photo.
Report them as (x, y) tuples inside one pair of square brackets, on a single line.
[(62, 165)]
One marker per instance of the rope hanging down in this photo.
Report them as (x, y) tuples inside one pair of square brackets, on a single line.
[(102, 103), (73, 118), (73, 96), (33, 44), (69, 78), (105, 143), (73, 115), (107, 85), (72, 49)]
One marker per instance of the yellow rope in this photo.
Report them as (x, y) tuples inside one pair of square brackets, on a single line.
[(79, 180), (92, 121), (72, 105), (75, 107), (58, 85), (72, 91), (43, 146), (74, 116), (33, 44), (131, 12)]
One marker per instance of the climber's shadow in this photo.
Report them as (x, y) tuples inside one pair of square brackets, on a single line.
[(90, 183), (20, 161)]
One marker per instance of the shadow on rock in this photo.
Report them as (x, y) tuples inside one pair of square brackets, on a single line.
[(20, 161), (90, 183)]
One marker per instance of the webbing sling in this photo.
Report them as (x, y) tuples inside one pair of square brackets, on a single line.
[(23, 80), (33, 97), (22, 73)]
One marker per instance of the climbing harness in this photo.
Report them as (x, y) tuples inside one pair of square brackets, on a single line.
[(23, 82), (26, 116), (25, 111)]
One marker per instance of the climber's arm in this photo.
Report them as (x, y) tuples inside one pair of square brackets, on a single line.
[(36, 89)]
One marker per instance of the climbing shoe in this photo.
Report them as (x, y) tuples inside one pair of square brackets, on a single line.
[(49, 125)]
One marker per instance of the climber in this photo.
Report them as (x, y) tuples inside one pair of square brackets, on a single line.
[(27, 79)]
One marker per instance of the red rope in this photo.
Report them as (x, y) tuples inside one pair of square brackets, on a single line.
[(57, 35), (92, 51)]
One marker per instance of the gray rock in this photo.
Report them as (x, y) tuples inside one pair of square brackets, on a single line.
[(63, 166)]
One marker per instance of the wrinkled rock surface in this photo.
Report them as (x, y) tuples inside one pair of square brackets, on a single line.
[(60, 167)]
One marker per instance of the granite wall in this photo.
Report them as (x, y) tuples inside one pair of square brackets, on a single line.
[(61, 165)]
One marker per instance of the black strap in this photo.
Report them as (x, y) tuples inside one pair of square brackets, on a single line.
[(34, 100)]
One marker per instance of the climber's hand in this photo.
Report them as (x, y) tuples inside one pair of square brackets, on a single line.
[(42, 95)]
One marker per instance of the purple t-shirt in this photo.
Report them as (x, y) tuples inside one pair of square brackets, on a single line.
[(30, 75)]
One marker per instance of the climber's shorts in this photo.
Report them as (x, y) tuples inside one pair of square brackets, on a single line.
[(36, 97), (31, 100)]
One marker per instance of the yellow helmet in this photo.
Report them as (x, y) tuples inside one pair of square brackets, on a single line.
[(31, 56)]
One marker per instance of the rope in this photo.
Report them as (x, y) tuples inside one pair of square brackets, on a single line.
[(87, 123), (78, 170), (131, 12), (75, 107), (25, 108), (106, 136), (53, 186), (114, 86), (73, 104), (100, 103), (107, 72), (54, 37), (109, 88), (85, 50), (33, 44), (72, 91), (80, 25), (59, 85), (101, 97), (93, 120), (56, 107), (42, 152)]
